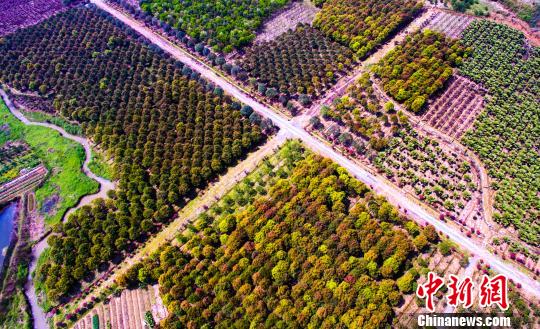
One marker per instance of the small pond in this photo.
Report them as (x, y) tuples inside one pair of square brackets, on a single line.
[(7, 217)]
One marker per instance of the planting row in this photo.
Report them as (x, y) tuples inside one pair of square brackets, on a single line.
[(456, 109), (452, 25)]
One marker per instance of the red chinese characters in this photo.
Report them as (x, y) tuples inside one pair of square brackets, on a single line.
[(494, 291), (430, 288), (460, 292)]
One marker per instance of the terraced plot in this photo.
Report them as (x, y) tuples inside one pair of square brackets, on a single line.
[(128, 310)]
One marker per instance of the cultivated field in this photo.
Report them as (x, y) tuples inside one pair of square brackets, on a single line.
[(455, 111), (127, 310), (363, 25), (300, 63), (16, 14), (297, 12), (450, 24)]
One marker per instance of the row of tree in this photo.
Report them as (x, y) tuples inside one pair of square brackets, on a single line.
[(168, 131), (363, 25)]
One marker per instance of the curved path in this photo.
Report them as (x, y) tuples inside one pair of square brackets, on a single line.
[(397, 197), (39, 318)]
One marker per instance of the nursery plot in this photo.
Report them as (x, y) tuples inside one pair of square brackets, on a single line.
[(374, 132), (419, 67), (455, 111), (449, 24), (316, 231), (16, 14), (168, 131), (435, 175), (300, 63), (506, 135), (364, 25), (299, 12), (223, 24)]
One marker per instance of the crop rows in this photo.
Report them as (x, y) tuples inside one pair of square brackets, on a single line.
[(168, 131), (455, 111), (299, 12), (126, 310), (450, 24)]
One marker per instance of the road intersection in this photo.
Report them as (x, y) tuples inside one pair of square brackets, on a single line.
[(294, 129)]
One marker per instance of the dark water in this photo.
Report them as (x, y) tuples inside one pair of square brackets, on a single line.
[(7, 216)]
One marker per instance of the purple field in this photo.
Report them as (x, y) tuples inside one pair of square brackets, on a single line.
[(15, 14)]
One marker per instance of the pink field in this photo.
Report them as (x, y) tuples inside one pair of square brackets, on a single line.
[(455, 110)]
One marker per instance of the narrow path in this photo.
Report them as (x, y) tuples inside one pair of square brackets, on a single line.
[(40, 320), (38, 316), (395, 196)]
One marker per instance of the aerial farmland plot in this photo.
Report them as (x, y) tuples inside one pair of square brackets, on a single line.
[(273, 163), (456, 109), (15, 14), (450, 24)]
